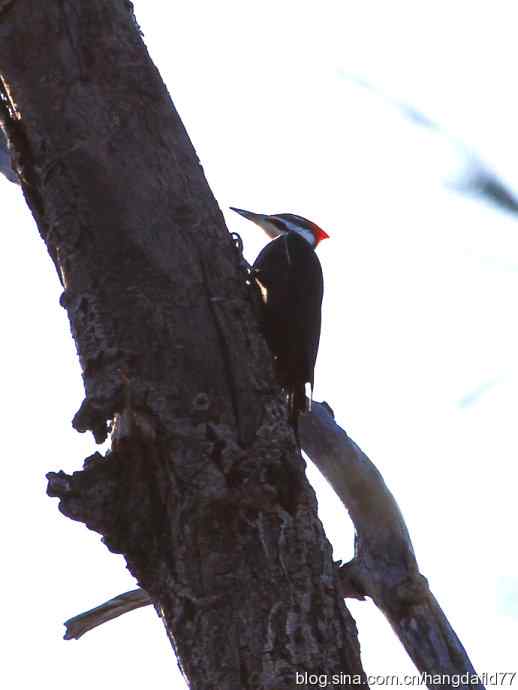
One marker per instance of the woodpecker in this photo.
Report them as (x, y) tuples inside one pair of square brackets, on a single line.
[(289, 277)]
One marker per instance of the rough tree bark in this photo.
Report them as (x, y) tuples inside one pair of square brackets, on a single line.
[(384, 567), (203, 490)]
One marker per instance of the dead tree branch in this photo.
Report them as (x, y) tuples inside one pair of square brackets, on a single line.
[(384, 568), (77, 626)]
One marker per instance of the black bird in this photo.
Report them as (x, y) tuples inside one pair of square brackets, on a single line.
[(289, 277)]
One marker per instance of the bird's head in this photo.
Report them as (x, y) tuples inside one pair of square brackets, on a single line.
[(282, 223)]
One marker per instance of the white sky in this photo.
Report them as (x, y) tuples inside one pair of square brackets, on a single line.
[(418, 354)]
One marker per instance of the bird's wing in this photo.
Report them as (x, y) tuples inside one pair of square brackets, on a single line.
[(290, 277)]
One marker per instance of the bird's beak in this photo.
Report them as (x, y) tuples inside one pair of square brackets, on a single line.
[(261, 220), (255, 217)]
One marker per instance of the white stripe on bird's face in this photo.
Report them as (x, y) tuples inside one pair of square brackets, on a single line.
[(306, 234), (299, 228), (271, 229)]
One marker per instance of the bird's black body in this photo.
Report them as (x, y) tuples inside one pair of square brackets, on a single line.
[(289, 277)]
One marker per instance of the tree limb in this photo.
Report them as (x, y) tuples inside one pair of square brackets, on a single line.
[(384, 568), (77, 626)]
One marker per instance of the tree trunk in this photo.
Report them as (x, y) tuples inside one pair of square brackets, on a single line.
[(204, 489)]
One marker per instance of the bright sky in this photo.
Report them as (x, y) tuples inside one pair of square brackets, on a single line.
[(418, 354)]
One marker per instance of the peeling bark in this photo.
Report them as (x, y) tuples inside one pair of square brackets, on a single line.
[(203, 490)]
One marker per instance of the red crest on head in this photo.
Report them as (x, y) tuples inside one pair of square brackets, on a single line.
[(319, 233)]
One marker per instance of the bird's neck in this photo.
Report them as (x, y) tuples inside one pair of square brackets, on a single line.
[(306, 235)]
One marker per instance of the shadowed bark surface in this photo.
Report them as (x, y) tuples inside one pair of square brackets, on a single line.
[(203, 490)]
